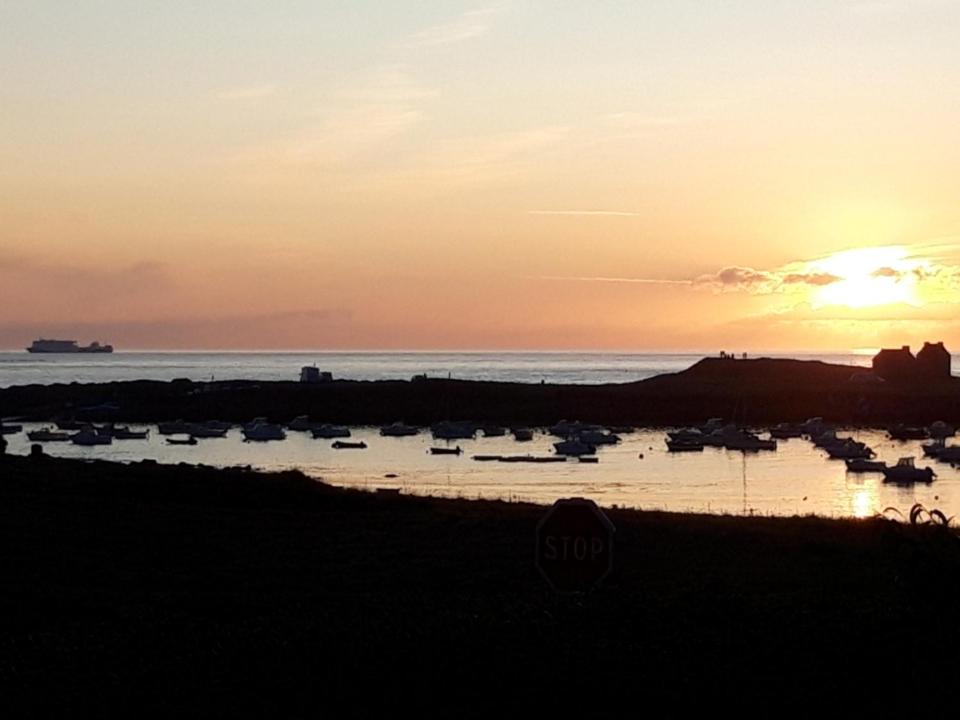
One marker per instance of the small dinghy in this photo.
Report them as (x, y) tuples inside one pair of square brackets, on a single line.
[(446, 451), (344, 445), (182, 441)]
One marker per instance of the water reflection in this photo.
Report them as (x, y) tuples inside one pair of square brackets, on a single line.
[(796, 478)]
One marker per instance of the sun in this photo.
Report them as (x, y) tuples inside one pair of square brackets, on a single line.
[(868, 276)]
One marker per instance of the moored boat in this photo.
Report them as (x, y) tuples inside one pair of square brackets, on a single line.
[(345, 445), (48, 435), (906, 472), (263, 432), (89, 438), (329, 432), (446, 451), (399, 429), (574, 448)]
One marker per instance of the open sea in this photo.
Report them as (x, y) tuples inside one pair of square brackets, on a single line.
[(639, 472), (21, 368)]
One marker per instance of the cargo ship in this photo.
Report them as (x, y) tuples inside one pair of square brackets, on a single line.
[(67, 346)]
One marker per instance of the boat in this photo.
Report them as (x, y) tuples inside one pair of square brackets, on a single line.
[(344, 445), (329, 432), (88, 438), (493, 431), (949, 454), (206, 430), (522, 434), (177, 427), (941, 430), (748, 442), (446, 451), (182, 441), (48, 435), (785, 431), (454, 430), (598, 437), (859, 465), (574, 448), (301, 423), (531, 459), (71, 425), (263, 432), (67, 346), (118, 432), (585, 459), (906, 472), (398, 429), (566, 429), (10, 429), (907, 432), (849, 449), (684, 445), (486, 458)]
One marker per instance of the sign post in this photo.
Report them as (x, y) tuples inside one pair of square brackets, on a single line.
[(574, 545)]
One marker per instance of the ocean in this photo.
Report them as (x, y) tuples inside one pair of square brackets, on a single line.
[(22, 368)]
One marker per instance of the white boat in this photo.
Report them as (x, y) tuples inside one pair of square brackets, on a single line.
[(906, 472)]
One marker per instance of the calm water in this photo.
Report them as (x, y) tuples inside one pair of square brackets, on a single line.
[(21, 368), (796, 479)]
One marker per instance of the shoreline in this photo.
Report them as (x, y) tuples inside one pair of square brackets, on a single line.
[(753, 391), (191, 589)]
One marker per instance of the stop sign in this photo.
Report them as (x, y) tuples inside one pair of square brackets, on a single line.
[(574, 545)]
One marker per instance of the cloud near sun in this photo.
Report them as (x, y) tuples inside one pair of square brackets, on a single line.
[(859, 278)]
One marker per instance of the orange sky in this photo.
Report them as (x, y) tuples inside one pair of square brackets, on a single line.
[(517, 175)]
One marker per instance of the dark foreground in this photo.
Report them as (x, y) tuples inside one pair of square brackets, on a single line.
[(152, 589)]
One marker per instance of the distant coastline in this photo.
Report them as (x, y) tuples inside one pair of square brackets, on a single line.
[(744, 391)]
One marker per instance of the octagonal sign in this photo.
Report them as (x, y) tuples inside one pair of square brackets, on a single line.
[(574, 545)]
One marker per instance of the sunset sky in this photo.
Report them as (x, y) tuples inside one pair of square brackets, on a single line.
[(683, 175)]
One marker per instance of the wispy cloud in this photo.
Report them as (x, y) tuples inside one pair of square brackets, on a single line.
[(615, 213), (360, 116), (469, 25), (253, 92), (600, 279)]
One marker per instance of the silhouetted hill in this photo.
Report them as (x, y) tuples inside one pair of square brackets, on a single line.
[(759, 390)]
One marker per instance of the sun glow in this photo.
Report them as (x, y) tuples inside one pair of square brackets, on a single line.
[(868, 277)]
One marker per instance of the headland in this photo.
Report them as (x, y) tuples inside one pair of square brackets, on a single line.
[(746, 391)]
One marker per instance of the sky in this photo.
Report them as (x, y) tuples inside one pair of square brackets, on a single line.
[(682, 175)]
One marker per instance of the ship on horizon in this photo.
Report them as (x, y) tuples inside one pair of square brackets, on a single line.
[(67, 346)]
